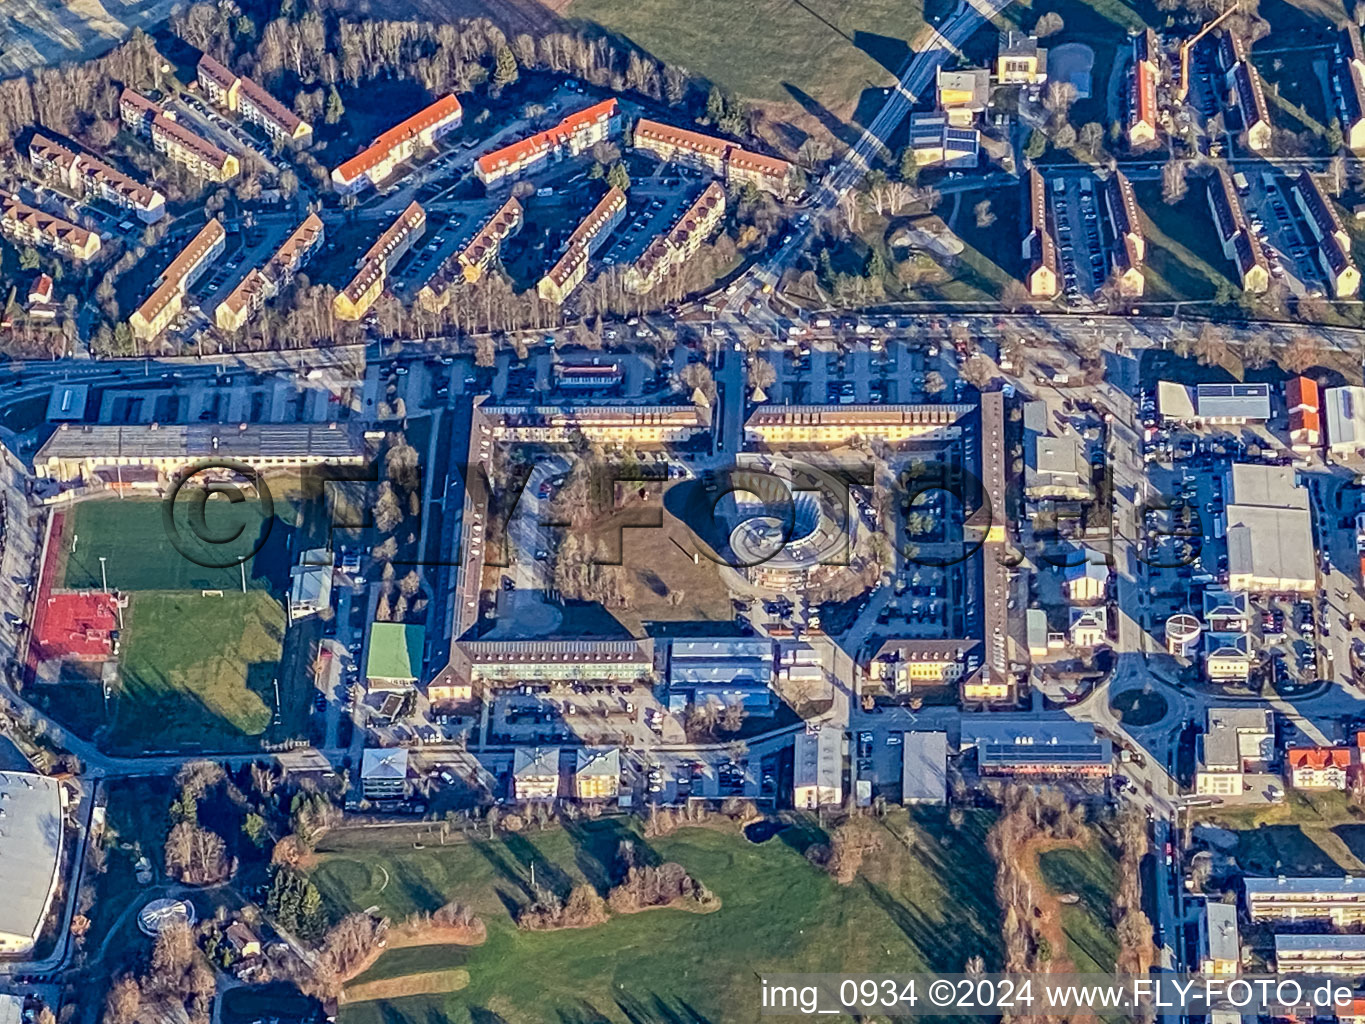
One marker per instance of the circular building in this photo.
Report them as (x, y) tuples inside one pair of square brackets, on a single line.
[(781, 544), (1182, 635), (159, 913)]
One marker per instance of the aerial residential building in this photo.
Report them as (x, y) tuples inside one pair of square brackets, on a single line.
[(1320, 954), (626, 425), (535, 773), (242, 95), (355, 300), (264, 283), (31, 850), (721, 671), (394, 659), (384, 773), (1334, 245), (826, 425), (717, 155), (1130, 245), (1235, 236), (1227, 657), (576, 133), (1302, 397), (1337, 901), (963, 95), (471, 262), (677, 245), (1245, 90), (1036, 745), (924, 768), (27, 225), (1269, 531), (1142, 81), (597, 773), (1220, 943), (1317, 767), (818, 768), (373, 165), (1235, 742), (92, 178), (1020, 60), (1040, 248), (173, 140), (513, 662), (1085, 582), (905, 667), (1348, 86), (1345, 419), (572, 267), (935, 141), (167, 298), (1089, 627)]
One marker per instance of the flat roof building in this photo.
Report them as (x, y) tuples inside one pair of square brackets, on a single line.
[(1338, 901), (936, 142), (395, 655), (1009, 744), (963, 94), (1320, 954), (1220, 943), (1269, 531), (1235, 742), (31, 852), (818, 768), (924, 768), (1345, 419)]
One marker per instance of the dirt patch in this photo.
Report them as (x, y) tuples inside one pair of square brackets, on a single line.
[(425, 984)]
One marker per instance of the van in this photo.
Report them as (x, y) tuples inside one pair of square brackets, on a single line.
[(1243, 186), (544, 192)]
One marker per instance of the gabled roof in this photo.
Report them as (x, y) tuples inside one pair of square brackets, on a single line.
[(1318, 758), (542, 142), (410, 128)]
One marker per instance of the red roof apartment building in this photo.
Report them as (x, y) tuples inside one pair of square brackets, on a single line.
[(575, 134), (372, 165)]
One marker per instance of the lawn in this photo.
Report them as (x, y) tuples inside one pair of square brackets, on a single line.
[(923, 904), (1089, 873), (1184, 259), (197, 672), (822, 54), (1305, 834), (141, 553)]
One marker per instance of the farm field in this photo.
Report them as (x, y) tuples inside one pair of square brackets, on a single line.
[(821, 54), (923, 901)]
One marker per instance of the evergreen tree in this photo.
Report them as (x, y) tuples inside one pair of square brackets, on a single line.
[(619, 177), (875, 268), (335, 108), (715, 105), (505, 71)]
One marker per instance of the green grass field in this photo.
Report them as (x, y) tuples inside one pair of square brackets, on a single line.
[(925, 905), (818, 53), (141, 554), (1184, 259), (197, 672), (1091, 874), (1305, 834)]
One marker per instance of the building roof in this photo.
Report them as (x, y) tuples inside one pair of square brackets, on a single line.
[(1227, 645), (598, 761), (1234, 735), (536, 762), (30, 849), (68, 402), (15, 209), (911, 651), (287, 257), (384, 763), (1233, 401), (1302, 392), (134, 192), (505, 220), (270, 107), (1270, 544), (1175, 401), (1254, 483), (522, 150), (532, 652), (1299, 944), (1220, 925), (201, 440), (818, 758), (395, 650), (245, 294), (602, 416), (580, 242), (410, 128), (1318, 758), (1228, 216), (1323, 214), (1289, 885), (1055, 462), (216, 72), (1086, 570), (1346, 415), (1006, 739), (1224, 604), (856, 417), (1044, 247), (1246, 81), (1018, 44), (976, 82), (758, 163), (185, 261), (186, 139), (412, 217), (924, 767), (657, 131)]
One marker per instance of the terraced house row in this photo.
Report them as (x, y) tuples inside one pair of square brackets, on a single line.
[(255, 105), (167, 299), (264, 283), (471, 262), (376, 163), (576, 133), (175, 141), (1239, 242), (1333, 244), (572, 267), (355, 300), (721, 157), (91, 178), (677, 245), (28, 225)]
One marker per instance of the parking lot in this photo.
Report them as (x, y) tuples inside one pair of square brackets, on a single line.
[(653, 210), (446, 235), (1081, 235), (1275, 218)]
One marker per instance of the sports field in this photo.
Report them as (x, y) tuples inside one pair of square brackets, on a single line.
[(141, 553), (925, 901), (821, 54), (197, 672)]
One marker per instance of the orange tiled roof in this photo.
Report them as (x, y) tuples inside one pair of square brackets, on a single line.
[(1318, 757), (46, 224), (687, 139), (398, 134), (523, 149)]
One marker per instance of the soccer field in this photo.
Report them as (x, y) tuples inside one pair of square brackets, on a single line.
[(198, 672), (141, 553)]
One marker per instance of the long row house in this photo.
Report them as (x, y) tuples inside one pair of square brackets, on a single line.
[(88, 177), (176, 142), (264, 283)]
